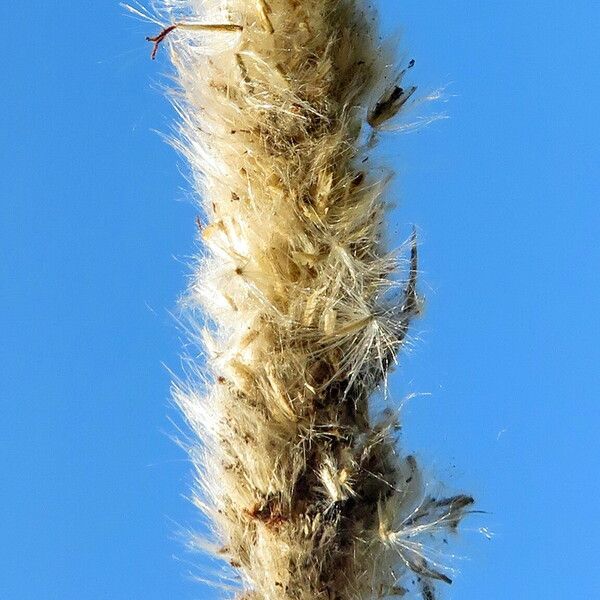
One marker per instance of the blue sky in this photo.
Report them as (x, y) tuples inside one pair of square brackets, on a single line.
[(95, 231)]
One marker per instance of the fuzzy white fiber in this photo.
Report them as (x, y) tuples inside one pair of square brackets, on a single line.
[(295, 300)]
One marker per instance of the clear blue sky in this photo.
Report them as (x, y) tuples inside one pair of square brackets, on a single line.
[(95, 228)]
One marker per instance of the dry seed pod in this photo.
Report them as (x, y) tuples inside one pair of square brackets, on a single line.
[(303, 485)]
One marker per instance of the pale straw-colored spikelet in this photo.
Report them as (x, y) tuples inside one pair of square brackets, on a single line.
[(307, 492)]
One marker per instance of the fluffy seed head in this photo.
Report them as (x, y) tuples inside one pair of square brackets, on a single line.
[(296, 303)]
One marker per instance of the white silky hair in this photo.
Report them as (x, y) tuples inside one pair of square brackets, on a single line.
[(296, 301)]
